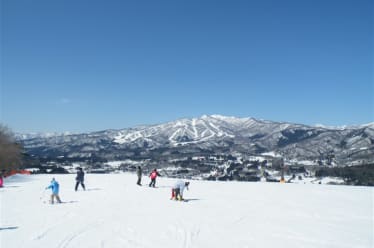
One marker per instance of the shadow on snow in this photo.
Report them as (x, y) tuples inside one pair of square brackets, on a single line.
[(8, 228)]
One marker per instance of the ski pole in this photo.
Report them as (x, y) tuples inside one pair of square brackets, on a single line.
[(43, 193)]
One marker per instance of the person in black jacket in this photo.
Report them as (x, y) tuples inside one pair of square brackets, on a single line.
[(139, 174), (80, 179)]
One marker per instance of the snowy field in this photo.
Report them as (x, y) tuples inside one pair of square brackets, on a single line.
[(115, 212)]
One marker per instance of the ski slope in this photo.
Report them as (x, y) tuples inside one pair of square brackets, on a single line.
[(115, 212)]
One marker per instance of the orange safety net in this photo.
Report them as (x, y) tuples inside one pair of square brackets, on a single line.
[(13, 172)]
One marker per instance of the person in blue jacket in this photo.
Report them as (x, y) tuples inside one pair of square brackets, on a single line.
[(54, 186)]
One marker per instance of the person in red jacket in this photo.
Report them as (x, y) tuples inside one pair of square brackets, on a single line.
[(2, 175), (153, 176)]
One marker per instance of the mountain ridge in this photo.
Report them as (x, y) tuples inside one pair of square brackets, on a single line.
[(30, 135), (212, 134)]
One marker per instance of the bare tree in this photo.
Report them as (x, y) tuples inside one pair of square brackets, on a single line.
[(10, 151)]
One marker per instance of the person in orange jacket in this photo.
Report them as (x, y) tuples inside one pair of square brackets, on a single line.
[(153, 176)]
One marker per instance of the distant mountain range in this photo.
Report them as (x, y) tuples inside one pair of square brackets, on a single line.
[(213, 134)]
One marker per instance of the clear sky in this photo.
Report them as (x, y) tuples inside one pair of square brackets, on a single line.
[(92, 65)]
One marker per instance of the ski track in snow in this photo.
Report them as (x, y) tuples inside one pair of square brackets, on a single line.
[(47, 230), (219, 214), (185, 236)]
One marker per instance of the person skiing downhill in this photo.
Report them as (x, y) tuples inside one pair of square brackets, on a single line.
[(139, 173), (54, 186), (80, 179), (177, 190), (153, 176)]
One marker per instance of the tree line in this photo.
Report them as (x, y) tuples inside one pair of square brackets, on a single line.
[(10, 150)]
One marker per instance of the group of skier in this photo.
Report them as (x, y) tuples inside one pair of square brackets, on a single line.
[(55, 187), (176, 190), (153, 175)]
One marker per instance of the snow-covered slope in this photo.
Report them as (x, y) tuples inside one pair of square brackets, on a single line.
[(115, 212)]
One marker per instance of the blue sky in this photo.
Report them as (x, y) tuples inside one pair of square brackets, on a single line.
[(85, 66)]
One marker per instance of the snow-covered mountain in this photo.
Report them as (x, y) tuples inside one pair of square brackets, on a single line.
[(213, 134), (25, 136)]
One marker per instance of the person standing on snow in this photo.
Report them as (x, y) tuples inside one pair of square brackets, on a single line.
[(139, 173), (80, 179), (55, 189), (177, 190), (153, 176), (2, 175)]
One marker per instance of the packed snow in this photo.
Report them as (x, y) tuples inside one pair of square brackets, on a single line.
[(115, 212)]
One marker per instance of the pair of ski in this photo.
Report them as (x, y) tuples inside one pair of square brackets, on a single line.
[(183, 200)]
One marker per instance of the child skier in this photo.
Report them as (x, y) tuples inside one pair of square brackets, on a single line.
[(80, 179), (153, 176), (177, 190), (54, 186)]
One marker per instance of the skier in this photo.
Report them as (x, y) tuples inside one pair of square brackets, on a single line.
[(2, 175), (177, 190), (54, 186), (153, 176), (139, 173), (80, 179)]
